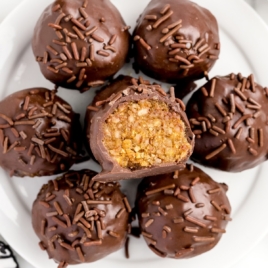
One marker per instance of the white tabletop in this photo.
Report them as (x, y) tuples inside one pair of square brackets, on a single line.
[(258, 257)]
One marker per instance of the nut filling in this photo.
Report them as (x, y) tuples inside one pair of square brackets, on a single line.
[(144, 133)]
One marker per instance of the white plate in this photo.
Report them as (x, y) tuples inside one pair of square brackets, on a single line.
[(244, 39)]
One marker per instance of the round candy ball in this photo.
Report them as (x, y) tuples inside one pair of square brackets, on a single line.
[(176, 40), (80, 43), (182, 214), (78, 220), (39, 133), (135, 129), (229, 118)]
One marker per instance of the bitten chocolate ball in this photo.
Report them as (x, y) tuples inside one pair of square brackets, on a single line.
[(175, 40), (182, 214), (39, 133), (80, 43), (79, 220), (136, 129), (229, 117)]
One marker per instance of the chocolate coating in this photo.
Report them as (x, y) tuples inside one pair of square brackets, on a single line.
[(39, 133), (175, 40), (79, 220), (182, 215), (123, 92), (229, 116), (184, 88), (80, 43), (115, 86)]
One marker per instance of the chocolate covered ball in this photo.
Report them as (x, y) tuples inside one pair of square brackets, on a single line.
[(39, 133), (182, 214), (80, 43), (229, 118), (176, 40), (136, 129), (78, 220)]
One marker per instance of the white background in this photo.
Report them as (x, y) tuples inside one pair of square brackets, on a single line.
[(256, 258)]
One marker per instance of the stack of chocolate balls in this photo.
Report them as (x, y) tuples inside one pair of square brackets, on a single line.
[(133, 128)]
